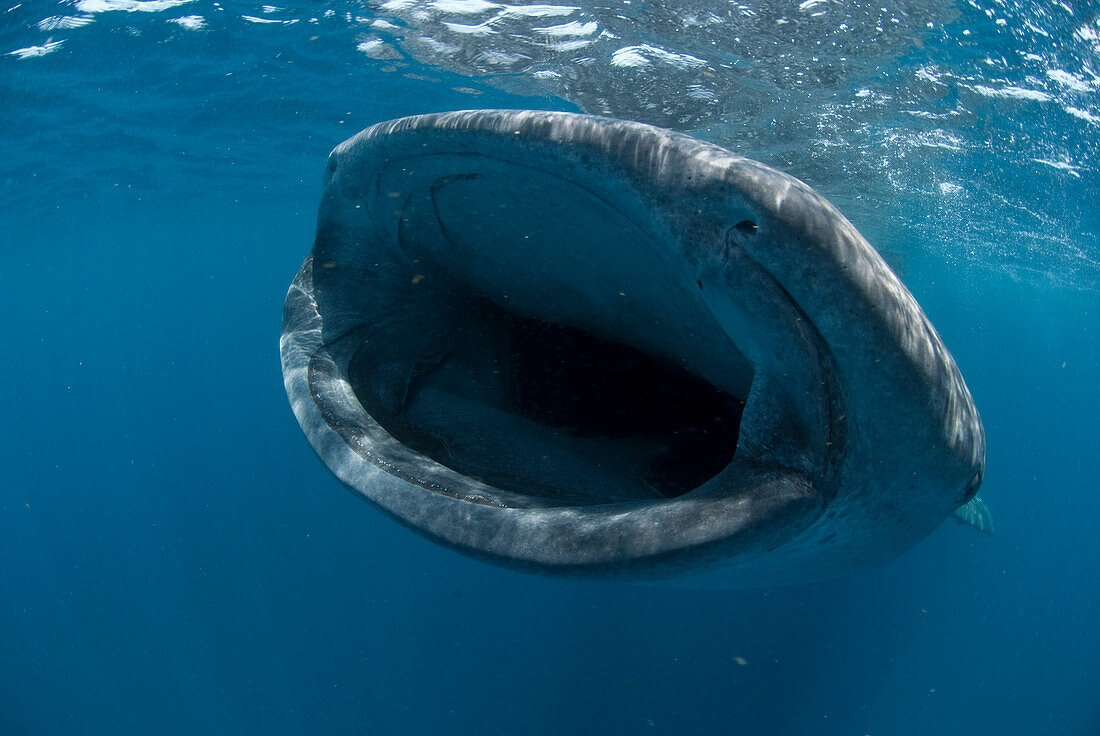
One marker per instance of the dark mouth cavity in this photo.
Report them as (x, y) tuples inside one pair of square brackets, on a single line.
[(531, 334), (549, 410)]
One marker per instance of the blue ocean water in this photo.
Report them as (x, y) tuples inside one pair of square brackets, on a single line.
[(173, 557)]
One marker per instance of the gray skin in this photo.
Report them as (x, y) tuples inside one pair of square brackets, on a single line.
[(858, 436)]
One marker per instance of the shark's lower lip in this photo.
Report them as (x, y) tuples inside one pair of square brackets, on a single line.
[(571, 343)]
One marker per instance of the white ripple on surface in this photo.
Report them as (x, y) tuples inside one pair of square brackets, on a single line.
[(539, 11), (646, 54), (1020, 93), (481, 29), (938, 139), (59, 22), (1083, 114), (396, 5), (437, 46), (1060, 165), (130, 6), (696, 20), (275, 21), (376, 48), (190, 22), (628, 56), (32, 51), (1075, 82), (463, 7), (1089, 34), (699, 92), (572, 28)]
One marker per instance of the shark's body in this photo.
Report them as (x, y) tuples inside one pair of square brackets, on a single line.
[(575, 344)]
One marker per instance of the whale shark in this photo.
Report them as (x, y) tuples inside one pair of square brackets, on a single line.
[(573, 344)]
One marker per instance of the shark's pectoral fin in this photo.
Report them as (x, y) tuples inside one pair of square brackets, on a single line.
[(975, 513)]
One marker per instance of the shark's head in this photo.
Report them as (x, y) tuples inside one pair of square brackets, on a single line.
[(571, 343)]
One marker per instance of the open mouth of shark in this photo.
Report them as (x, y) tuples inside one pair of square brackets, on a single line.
[(539, 341), (552, 411)]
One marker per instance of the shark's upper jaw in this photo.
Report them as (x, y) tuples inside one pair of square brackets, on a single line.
[(542, 315)]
